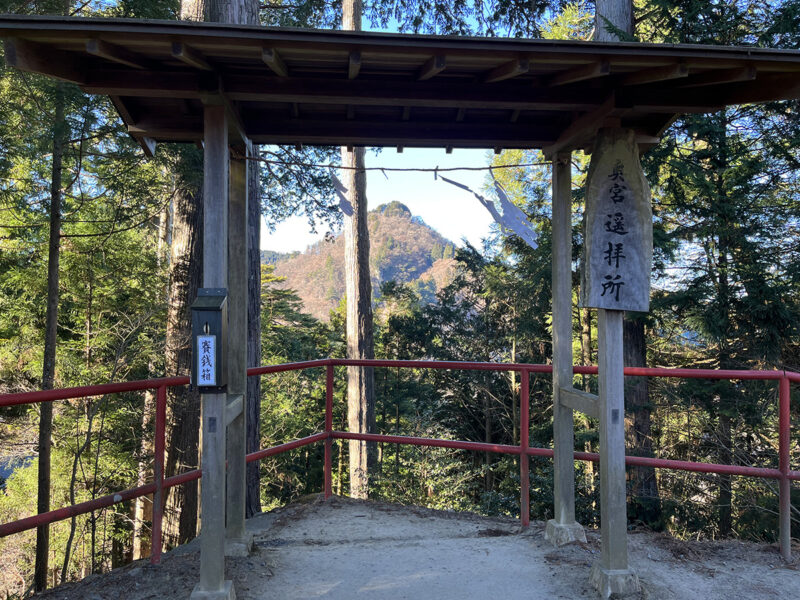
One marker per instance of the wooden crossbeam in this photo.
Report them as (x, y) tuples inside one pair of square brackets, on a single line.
[(509, 70), (578, 400), (274, 61), (353, 65), (432, 67), (720, 77), (674, 71), (38, 58), (117, 54), (584, 126), (591, 71), (190, 56)]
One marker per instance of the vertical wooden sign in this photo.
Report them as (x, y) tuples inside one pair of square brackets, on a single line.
[(618, 227)]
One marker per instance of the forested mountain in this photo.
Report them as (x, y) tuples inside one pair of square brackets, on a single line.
[(402, 248)]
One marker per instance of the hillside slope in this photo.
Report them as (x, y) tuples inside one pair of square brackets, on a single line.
[(402, 248)]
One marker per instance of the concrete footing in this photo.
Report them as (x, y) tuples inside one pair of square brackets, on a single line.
[(240, 547), (614, 583), (560, 534), (226, 593)]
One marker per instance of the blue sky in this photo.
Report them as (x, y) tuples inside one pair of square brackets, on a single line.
[(454, 213)]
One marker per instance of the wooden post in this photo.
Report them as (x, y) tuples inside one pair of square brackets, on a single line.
[(212, 583), (562, 529), (237, 543), (611, 575)]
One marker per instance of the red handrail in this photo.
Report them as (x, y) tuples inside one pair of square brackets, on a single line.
[(783, 473)]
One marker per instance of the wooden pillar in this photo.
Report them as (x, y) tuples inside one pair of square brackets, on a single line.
[(562, 528), (212, 583), (237, 543)]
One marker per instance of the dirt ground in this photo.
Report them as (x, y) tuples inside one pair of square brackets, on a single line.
[(345, 549)]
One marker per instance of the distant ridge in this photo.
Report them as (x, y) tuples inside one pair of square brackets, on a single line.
[(402, 248)]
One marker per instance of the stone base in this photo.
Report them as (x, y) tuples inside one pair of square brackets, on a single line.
[(614, 583), (226, 593), (560, 534), (240, 547)]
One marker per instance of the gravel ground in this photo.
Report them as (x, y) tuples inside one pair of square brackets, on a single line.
[(347, 549)]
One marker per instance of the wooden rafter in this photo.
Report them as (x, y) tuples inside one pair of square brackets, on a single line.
[(273, 60), (593, 70), (117, 54), (509, 70), (190, 56), (432, 67), (665, 73), (38, 58), (353, 65)]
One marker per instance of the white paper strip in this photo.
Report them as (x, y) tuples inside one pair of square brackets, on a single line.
[(206, 360)]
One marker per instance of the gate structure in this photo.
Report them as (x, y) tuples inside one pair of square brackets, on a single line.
[(227, 86)]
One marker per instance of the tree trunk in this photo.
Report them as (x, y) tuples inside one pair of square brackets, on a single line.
[(51, 330), (358, 288), (360, 380), (254, 340), (183, 404), (645, 499), (619, 13), (143, 506)]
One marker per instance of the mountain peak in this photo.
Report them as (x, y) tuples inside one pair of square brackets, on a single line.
[(403, 248), (394, 208)]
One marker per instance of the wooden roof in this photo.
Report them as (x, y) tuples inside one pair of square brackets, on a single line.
[(294, 86)]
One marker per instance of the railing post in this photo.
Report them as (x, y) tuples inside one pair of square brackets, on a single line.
[(158, 474), (328, 428), (524, 432), (784, 511)]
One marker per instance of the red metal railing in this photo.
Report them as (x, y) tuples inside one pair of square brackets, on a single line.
[(783, 473)]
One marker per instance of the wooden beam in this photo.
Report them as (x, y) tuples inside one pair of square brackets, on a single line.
[(117, 54), (432, 67), (235, 122), (721, 76), (148, 145), (38, 58), (578, 400), (674, 71), (353, 65), (190, 56), (274, 61), (509, 70), (584, 126), (591, 71)]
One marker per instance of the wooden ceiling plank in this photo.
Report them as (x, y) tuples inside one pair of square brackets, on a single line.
[(117, 54), (583, 73), (274, 61), (584, 126), (665, 73), (190, 56), (432, 67), (353, 65), (508, 70), (721, 76), (39, 58)]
